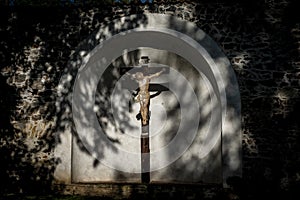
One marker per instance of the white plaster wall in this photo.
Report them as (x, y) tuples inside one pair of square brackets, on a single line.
[(202, 162)]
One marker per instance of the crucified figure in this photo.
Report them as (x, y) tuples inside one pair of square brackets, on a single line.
[(143, 96)]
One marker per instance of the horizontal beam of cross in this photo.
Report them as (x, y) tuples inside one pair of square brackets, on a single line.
[(154, 68)]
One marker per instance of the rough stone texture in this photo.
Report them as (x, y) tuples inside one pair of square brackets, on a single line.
[(145, 191), (261, 38)]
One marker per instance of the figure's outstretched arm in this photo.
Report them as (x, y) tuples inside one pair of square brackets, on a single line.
[(132, 76), (156, 74)]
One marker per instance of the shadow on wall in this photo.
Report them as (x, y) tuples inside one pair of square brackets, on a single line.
[(182, 93), (106, 83), (33, 110), (103, 100), (26, 140), (192, 166), (264, 49), (20, 168), (27, 163)]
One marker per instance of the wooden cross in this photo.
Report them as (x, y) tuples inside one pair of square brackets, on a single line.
[(142, 76)]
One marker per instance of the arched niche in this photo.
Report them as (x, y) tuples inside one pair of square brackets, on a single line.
[(150, 33)]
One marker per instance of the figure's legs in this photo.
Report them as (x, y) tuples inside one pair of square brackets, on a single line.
[(144, 113), (139, 115), (144, 103)]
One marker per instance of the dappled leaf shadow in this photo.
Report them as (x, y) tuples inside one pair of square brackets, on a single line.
[(26, 121), (262, 49), (103, 103), (35, 49)]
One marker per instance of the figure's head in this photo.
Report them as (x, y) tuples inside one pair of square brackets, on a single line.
[(139, 75)]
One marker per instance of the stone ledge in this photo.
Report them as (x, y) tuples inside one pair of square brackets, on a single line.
[(144, 191)]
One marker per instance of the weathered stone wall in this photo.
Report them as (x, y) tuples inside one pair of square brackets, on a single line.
[(261, 39)]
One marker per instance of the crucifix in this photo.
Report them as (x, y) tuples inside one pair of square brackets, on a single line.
[(142, 76)]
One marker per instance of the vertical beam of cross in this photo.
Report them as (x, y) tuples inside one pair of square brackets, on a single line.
[(145, 154), (143, 76)]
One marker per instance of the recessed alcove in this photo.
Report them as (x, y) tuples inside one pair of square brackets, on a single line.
[(195, 127)]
